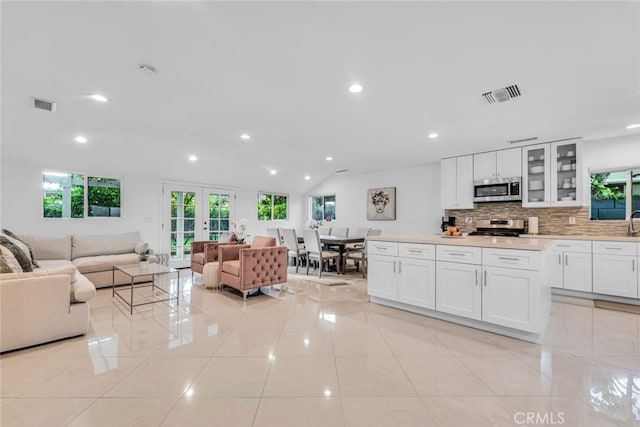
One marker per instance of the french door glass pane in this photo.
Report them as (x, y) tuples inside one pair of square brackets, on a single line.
[(219, 205), (183, 209)]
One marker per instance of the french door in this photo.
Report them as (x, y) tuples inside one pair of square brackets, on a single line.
[(193, 213)]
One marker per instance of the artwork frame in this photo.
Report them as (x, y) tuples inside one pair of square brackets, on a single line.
[(381, 204)]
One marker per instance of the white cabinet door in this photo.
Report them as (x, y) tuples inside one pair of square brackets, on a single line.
[(566, 173), (484, 166), (458, 289), (510, 297), (448, 190), (577, 271), (555, 265), (464, 182), (417, 282), (509, 163), (381, 277), (535, 176), (615, 275)]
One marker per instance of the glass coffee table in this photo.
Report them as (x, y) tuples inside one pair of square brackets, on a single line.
[(157, 294)]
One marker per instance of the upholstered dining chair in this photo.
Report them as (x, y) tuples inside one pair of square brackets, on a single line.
[(247, 267), (324, 231), (315, 252), (275, 232), (359, 254), (340, 231), (295, 251)]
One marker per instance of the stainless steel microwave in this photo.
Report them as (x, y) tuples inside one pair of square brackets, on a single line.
[(497, 190)]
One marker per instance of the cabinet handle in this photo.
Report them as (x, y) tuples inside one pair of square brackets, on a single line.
[(508, 258), (399, 267), (476, 277), (456, 254), (485, 278), (566, 259), (415, 251), (382, 248), (394, 266), (618, 248), (633, 265), (559, 259), (562, 246)]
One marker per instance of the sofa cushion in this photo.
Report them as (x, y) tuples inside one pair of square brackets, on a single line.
[(13, 250), (59, 266), (107, 244), (92, 264), (22, 244), (82, 290), (49, 247)]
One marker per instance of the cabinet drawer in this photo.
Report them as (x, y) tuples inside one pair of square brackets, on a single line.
[(382, 248), (462, 254), (581, 246), (615, 248), (414, 250), (511, 258)]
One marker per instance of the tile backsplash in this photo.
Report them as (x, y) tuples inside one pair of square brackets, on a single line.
[(550, 220)]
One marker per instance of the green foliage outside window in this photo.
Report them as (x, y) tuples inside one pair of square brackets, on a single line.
[(57, 202), (272, 207), (103, 196), (323, 208)]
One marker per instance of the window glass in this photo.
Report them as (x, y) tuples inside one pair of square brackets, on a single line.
[(63, 195), (612, 197), (323, 208), (103, 196), (272, 207)]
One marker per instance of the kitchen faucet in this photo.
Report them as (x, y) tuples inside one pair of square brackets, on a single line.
[(633, 232)]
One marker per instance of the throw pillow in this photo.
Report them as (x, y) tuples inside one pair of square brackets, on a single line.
[(142, 248), (18, 241), (22, 257), (5, 265)]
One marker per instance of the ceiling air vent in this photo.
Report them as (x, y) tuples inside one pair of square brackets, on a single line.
[(502, 94), (43, 104)]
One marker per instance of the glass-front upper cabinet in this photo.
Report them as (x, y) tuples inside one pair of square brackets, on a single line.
[(566, 178), (552, 176), (536, 176)]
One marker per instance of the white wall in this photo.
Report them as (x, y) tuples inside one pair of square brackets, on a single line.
[(21, 204), (613, 153), (417, 199)]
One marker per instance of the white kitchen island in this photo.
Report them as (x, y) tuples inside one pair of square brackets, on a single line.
[(498, 284)]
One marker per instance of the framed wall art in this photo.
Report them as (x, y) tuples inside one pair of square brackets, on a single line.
[(381, 203)]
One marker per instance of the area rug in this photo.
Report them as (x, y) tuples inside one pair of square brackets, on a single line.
[(328, 280)]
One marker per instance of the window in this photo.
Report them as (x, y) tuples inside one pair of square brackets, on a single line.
[(272, 207), (615, 194), (70, 195), (323, 208)]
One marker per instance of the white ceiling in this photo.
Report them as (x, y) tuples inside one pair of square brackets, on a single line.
[(280, 71)]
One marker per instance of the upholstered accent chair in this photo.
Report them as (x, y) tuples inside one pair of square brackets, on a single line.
[(202, 252), (247, 267)]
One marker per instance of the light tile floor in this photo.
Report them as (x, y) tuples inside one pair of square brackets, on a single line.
[(321, 355)]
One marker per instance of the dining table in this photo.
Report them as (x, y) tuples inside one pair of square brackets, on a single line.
[(341, 243)]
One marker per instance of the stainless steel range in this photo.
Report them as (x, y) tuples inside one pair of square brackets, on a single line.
[(499, 227)]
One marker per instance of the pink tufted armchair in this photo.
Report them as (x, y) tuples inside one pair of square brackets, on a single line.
[(246, 267), (202, 252)]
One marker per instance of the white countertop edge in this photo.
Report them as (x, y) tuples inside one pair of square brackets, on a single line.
[(582, 237), (531, 244)]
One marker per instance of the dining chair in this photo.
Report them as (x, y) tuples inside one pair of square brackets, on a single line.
[(361, 232), (359, 254), (339, 231), (315, 252), (275, 232), (290, 240)]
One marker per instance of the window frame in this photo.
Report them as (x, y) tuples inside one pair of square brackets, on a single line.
[(273, 196), (324, 205), (628, 190), (85, 198)]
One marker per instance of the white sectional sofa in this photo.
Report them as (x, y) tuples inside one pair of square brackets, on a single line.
[(51, 302)]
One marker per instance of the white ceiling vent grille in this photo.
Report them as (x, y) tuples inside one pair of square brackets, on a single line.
[(502, 94), (43, 104)]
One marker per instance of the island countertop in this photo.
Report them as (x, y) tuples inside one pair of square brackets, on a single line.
[(530, 244), (583, 237)]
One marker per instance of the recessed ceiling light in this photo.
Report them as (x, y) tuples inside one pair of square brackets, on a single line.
[(193, 158), (99, 98), (328, 158), (245, 136), (633, 126), (355, 88), (273, 171), (433, 135), (307, 178), (81, 139)]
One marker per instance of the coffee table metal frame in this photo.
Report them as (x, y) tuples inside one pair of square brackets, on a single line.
[(133, 271)]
